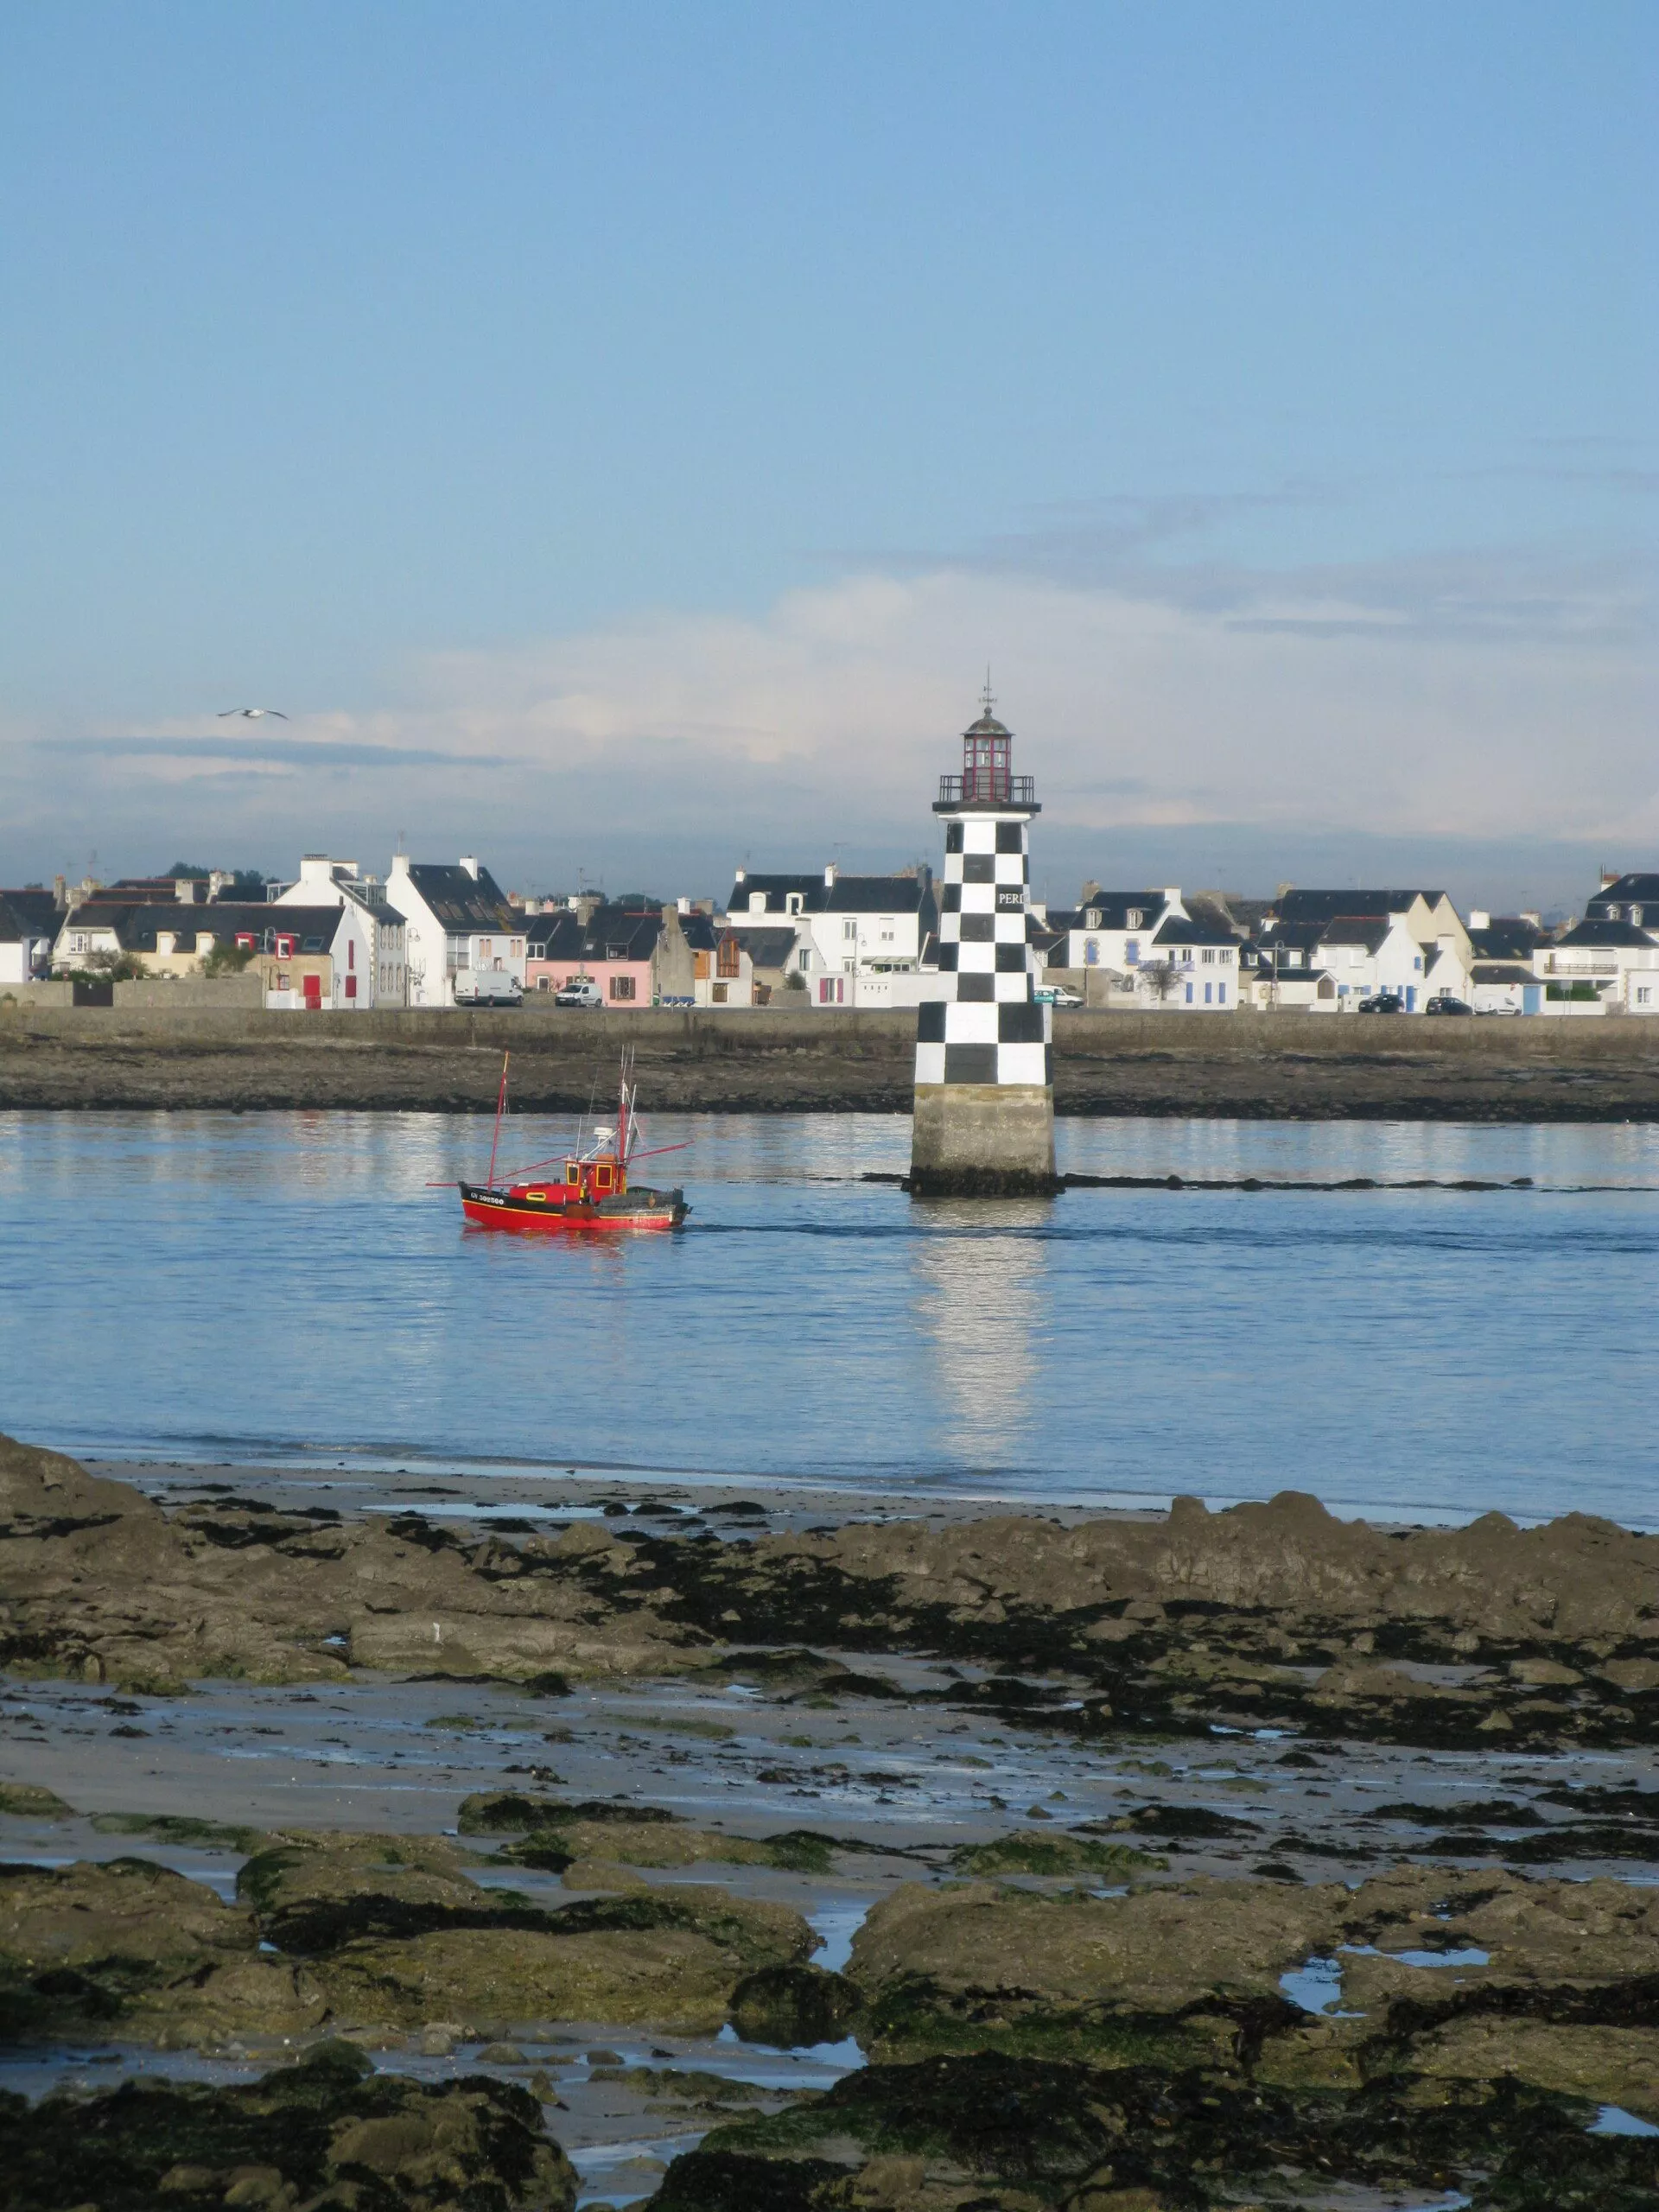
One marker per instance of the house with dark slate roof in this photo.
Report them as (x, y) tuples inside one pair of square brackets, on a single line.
[(1633, 897), (1412, 943), (305, 955), (28, 924), (621, 946), (463, 939), (856, 940), (1112, 931), (1192, 968), (1600, 967), (380, 975)]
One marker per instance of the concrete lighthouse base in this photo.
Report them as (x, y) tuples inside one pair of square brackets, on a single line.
[(982, 1139)]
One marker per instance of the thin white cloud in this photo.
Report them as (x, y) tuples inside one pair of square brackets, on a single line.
[(1478, 702)]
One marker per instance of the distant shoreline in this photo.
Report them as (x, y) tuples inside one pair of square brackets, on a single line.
[(1244, 1066)]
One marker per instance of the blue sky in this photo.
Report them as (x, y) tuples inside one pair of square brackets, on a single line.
[(619, 437)]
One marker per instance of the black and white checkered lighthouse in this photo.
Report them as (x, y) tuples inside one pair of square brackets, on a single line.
[(984, 1112)]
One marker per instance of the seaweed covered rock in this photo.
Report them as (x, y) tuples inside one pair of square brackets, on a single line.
[(1000, 2133), (994, 1952), (359, 1931), (128, 1947), (418, 1942), (315, 1892), (553, 1835), (328, 2133), (789, 2006), (1453, 1975), (103, 1584)]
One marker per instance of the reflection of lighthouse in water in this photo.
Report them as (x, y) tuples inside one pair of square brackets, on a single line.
[(981, 1309), (984, 1109)]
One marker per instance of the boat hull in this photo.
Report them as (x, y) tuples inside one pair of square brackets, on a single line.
[(486, 1206)]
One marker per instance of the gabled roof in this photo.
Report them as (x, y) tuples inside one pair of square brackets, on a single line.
[(875, 894), (699, 931), (1370, 930), (1302, 936), (1509, 938), (1114, 908), (13, 928), (775, 892), (1499, 971), (1610, 934), (138, 928), (766, 947), (847, 894), (1180, 929), (609, 933), (459, 901), (556, 935), (622, 932), (1314, 905), (37, 908), (1636, 889)]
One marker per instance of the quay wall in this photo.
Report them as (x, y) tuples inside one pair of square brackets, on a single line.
[(193, 1054)]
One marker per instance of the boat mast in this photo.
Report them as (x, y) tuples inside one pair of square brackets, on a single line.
[(500, 1109)]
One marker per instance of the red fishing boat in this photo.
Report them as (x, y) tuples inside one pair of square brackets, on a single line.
[(590, 1189)]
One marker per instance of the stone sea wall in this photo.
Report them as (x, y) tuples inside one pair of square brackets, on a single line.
[(174, 1053)]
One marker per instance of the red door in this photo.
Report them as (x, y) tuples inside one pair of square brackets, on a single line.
[(313, 993)]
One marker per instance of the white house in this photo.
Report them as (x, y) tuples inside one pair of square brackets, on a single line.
[(1189, 966), (858, 939), (310, 957), (1111, 930), (29, 923), (1332, 960), (379, 977), (1601, 966), (460, 927)]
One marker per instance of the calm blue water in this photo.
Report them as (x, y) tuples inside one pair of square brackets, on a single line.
[(276, 1286)]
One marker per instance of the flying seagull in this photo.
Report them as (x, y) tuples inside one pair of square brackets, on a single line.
[(252, 713)]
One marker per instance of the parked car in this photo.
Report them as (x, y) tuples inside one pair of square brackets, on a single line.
[(1498, 1009), (580, 990), (1383, 1002), (1055, 995), (1447, 1003), (474, 987)]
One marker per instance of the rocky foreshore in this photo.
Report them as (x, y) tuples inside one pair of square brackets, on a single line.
[(776, 1059), (690, 1854)]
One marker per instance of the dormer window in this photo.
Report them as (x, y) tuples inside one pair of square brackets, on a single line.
[(1612, 914), (756, 902), (792, 903), (1133, 919), (1091, 919)]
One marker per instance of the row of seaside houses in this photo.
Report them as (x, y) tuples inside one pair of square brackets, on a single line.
[(443, 934)]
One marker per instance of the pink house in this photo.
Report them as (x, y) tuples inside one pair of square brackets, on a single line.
[(616, 947)]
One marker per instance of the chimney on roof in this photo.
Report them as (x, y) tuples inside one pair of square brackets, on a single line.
[(829, 877), (682, 904), (1479, 918), (60, 891), (1534, 915), (469, 862), (742, 875), (1609, 877)]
